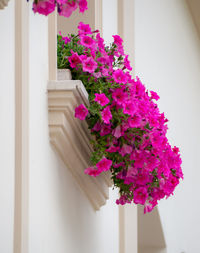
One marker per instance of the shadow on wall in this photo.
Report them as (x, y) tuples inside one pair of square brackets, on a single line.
[(150, 233)]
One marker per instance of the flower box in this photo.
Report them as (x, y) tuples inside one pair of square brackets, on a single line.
[(130, 133)]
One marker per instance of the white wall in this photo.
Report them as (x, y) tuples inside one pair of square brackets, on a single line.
[(7, 130), (61, 218), (109, 19), (167, 56)]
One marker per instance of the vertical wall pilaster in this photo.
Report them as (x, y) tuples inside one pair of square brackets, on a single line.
[(52, 40), (21, 126), (128, 222)]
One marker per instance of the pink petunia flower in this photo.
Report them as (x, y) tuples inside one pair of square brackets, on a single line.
[(117, 132), (84, 28), (117, 40), (143, 178), (81, 112), (61, 1), (140, 195), (74, 60), (119, 96), (134, 121), (105, 129), (104, 164), (112, 149), (127, 63), (154, 95), (129, 108), (97, 74), (120, 77), (106, 115), (92, 171), (126, 149), (67, 9), (89, 65), (83, 5), (176, 150), (44, 7), (148, 207), (101, 99), (87, 41), (97, 127)]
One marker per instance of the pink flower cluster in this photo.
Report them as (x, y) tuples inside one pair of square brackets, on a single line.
[(130, 131), (65, 7)]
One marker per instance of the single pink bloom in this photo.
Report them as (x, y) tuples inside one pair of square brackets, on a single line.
[(44, 7), (127, 63), (140, 195), (83, 57), (97, 74), (100, 42), (112, 149), (176, 150), (67, 9), (170, 185), (139, 87), (132, 171), (157, 139), (103, 60), (92, 171), (148, 207), (117, 132), (101, 99), (123, 200), (61, 1), (119, 96), (74, 60), (104, 164), (87, 41), (117, 165), (84, 28), (89, 65), (134, 121), (120, 77), (106, 115), (143, 178), (81, 112), (126, 149), (105, 129), (97, 127), (105, 72), (118, 40), (154, 95), (66, 39), (152, 162), (129, 108), (83, 5)]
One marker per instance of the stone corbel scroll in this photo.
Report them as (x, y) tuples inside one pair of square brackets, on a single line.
[(70, 137)]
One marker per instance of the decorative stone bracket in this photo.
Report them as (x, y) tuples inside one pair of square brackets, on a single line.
[(71, 138)]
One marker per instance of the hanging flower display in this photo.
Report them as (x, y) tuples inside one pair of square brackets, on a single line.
[(123, 116), (64, 7)]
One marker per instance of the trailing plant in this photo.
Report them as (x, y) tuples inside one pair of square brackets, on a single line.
[(123, 116), (64, 7)]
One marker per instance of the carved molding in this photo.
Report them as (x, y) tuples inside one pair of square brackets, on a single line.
[(70, 138), (3, 4)]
